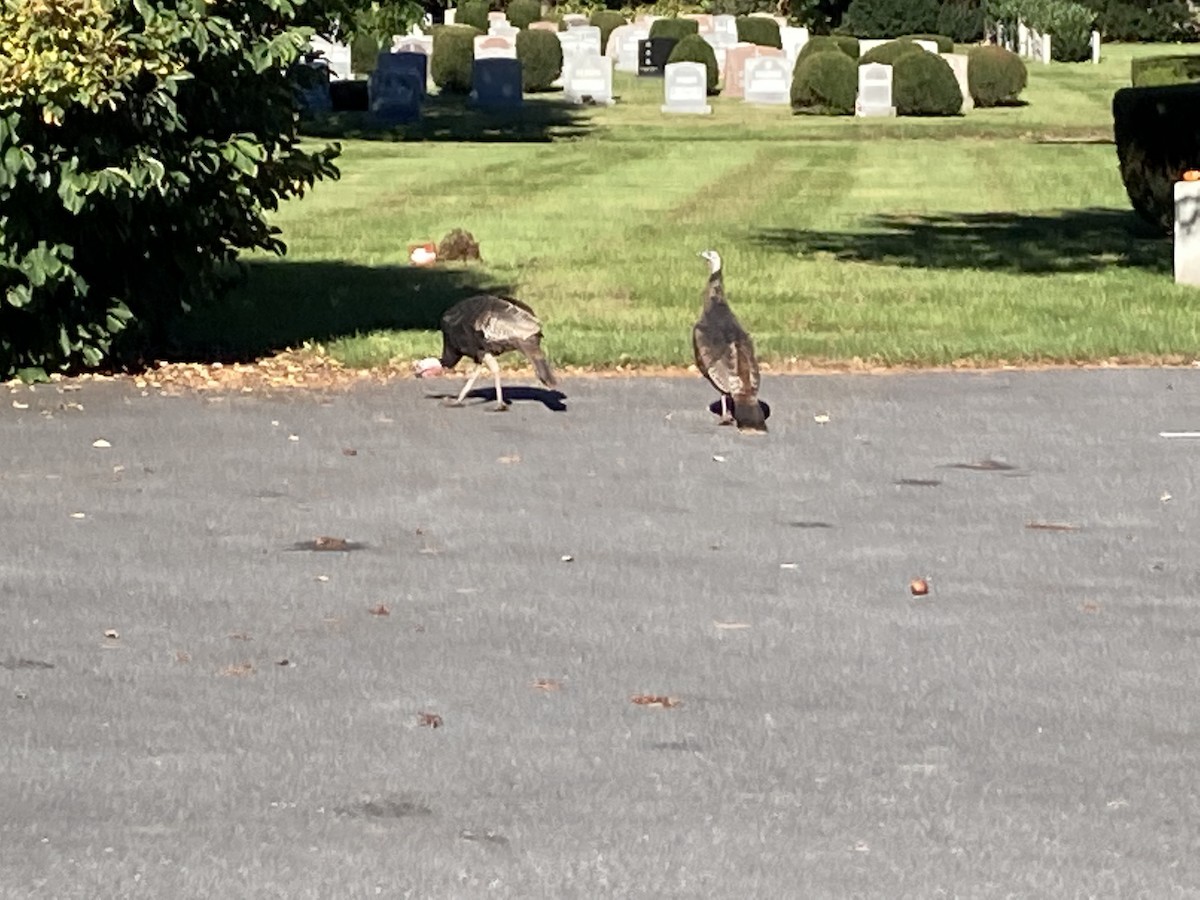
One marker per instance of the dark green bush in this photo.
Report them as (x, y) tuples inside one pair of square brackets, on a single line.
[(541, 59), (364, 53), (888, 18), (607, 20), (473, 13), (674, 28), (962, 20), (825, 83), (135, 166), (453, 57), (521, 12), (694, 48), (924, 85), (944, 44), (824, 43), (1156, 71), (1157, 133), (890, 52), (759, 30), (741, 7), (995, 76), (1160, 21)]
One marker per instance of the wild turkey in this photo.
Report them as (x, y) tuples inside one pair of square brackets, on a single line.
[(725, 354), (481, 328)]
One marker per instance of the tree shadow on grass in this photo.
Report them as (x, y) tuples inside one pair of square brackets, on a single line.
[(451, 118), (281, 304), (1083, 240)]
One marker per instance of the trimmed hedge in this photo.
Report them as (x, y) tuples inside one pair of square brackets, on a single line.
[(607, 20), (1136, 20), (521, 12), (1156, 71), (995, 76), (1157, 133), (824, 43), (758, 30), (825, 83), (944, 44), (888, 53), (540, 53), (694, 48), (453, 56), (887, 18), (923, 84), (674, 28), (473, 13), (962, 20), (364, 54)]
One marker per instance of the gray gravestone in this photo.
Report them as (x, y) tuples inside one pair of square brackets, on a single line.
[(590, 80), (496, 83), (686, 88), (768, 79), (959, 66), (395, 88), (874, 91)]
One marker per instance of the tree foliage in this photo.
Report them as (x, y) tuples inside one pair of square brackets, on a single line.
[(141, 148)]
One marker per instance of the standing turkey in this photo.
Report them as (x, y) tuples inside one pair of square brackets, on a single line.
[(481, 328), (725, 355)]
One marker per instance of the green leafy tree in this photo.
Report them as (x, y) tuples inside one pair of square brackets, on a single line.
[(142, 147)]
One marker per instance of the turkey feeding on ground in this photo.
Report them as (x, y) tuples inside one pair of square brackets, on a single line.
[(481, 328), (725, 355)]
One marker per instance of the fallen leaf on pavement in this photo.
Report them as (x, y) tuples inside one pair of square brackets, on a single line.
[(101, 443), (380, 610), (112, 634), (349, 451), (238, 670), (1051, 526), (657, 700), (429, 720), (546, 684), (731, 626)]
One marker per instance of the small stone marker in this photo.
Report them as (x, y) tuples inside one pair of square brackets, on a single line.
[(653, 54), (768, 79), (492, 46), (1187, 233), (686, 88), (866, 45), (590, 80), (958, 65), (396, 87), (874, 91), (927, 46), (496, 83), (1095, 47)]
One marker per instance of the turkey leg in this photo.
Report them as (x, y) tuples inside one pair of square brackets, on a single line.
[(467, 387), (490, 362)]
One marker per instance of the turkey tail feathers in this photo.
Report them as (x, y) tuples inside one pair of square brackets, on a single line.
[(542, 366)]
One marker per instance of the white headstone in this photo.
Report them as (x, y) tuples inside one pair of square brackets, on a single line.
[(503, 29), (768, 79), (493, 46), (336, 56), (627, 37), (1044, 50), (1187, 233), (793, 40), (928, 46), (590, 80), (958, 65), (588, 37), (866, 45), (726, 25), (686, 86), (451, 12), (497, 17), (874, 91), (412, 44), (1022, 38), (1095, 46), (575, 20)]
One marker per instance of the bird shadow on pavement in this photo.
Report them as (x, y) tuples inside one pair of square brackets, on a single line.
[(552, 400)]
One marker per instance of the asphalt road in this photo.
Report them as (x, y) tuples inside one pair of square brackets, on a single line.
[(253, 724)]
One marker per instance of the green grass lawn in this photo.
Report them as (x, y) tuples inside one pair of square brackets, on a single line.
[(1001, 235)]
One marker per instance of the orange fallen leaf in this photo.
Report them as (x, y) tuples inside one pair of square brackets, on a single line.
[(658, 700), (546, 684), (238, 670), (429, 720), (380, 610)]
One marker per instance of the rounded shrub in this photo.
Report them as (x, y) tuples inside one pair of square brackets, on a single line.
[(453, 56), (364, 54), (888, 53), (923, 84), (541, 59), (824, 43), (473, 13), (521, 12), (1156, 71), (674, 28), (887, 18), (758, 30), (694, 48), (825, 83), (607, 20), (944, 44), (995, 76), (962, 20)]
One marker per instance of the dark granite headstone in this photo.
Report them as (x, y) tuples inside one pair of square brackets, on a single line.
[(395, 91), (653, 54), (496, 83)]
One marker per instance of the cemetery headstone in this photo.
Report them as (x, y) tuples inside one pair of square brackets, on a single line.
[(1044, 49), (544, 26), (653, 54), (1022, 38), (1187, 233), (496, 83), (703, 20), (866, 45), (493, 46), (395, 88), (726, 25), (412, 44), (927, 46), (417, 63), (1095, 46), (874, 91), (793, 40), (958, 65), (575, 20), (503, 29), (590, 80), (310, 86), (735, 66), (628, 38), (497, 17), (451, 12), (589, 38), (336, 56), (768, 79), (686, 88)]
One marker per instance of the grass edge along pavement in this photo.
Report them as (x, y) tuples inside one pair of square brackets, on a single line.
[(844, 252)]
